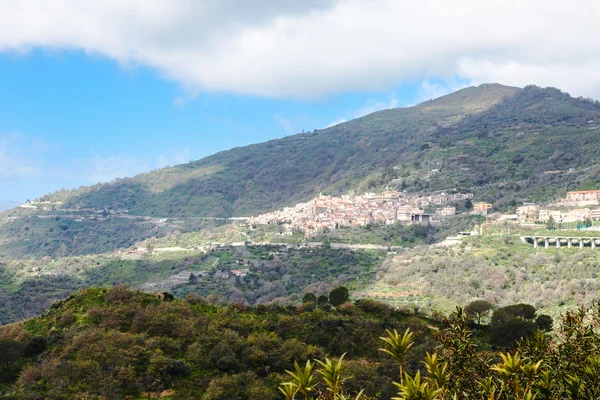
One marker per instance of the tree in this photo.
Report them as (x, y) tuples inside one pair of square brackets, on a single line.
[(339, 296), (168, 296), (507, 333), (193, 278), (11, 351), (468, 204), (36, 346), (478, 308), (515, 311), (544, 322), (322, 300), (550, 224), (309, 298)]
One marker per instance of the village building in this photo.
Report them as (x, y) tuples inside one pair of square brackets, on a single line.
[(421, 219), (528, 212), (584, 195), (482, 206), (328, 212), (508, 217), (579, 214), (545, 215), (447, 211)]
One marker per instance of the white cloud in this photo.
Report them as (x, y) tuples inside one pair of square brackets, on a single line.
[(313, 48)]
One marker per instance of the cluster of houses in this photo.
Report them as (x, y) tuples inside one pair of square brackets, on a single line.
[(389, 207), (576, 206), (392, 207), (41, 205)]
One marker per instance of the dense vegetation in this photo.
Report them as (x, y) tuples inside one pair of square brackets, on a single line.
[(112, 343), (276, 272), (563, 366), (33, 237), (266, 273), (118, 342), (498, 268)]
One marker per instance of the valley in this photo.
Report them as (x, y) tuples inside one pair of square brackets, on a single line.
[(430, 213), (299, 200)]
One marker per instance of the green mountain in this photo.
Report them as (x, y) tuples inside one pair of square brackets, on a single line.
[(247, 180), (476, 137), (505, 144)]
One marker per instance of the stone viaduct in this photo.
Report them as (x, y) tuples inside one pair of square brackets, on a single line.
[(559, 241)]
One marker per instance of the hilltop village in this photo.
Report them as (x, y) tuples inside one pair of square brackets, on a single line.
[(389, 207), (394, 207)]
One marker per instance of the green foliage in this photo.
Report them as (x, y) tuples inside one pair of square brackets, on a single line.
[(118, 342), (339, 296), (309, 298), (478, 308), (565, 366), (520, 311), (544, 322), (11, 351), (436, 279), (269, 273), (507, 333), (384, 235), (468, 204)]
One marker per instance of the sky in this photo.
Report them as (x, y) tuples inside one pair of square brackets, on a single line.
[(92, 91)]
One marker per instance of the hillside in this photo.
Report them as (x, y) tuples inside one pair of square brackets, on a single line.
[(261, 177), (504, 144), (479, 137), (496, 267), (118, 343), (253, 274), (107, 344)]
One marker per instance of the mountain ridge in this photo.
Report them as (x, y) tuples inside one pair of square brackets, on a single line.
[(506, 145), (240, 169)]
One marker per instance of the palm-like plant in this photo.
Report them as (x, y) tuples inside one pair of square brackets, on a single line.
[(332, 374), (359, 396), (414, 389), (304, 379), (510, 365), (397, 346), (289, 390), (438, 374)]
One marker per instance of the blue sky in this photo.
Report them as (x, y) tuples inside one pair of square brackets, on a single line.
[(69, 119), (92, 91)]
